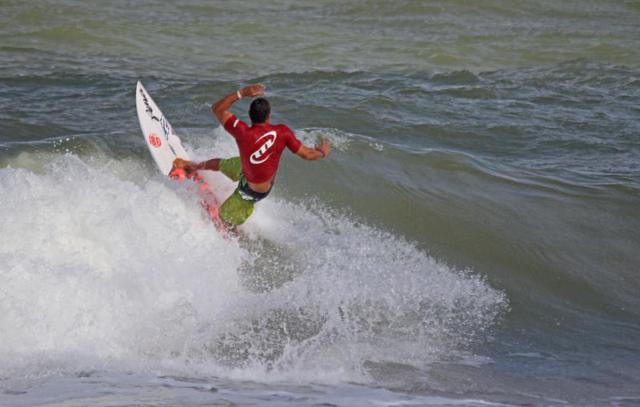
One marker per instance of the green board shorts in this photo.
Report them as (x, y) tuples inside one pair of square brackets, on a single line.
[(239, 206)]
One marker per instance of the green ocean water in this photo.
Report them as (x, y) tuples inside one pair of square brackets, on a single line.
[(474, 238)]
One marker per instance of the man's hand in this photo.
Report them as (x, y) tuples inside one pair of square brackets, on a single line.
[(252, 91), (324, 146), (321, 150), (220, 109)]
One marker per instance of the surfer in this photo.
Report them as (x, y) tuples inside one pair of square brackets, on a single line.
[(260, 146)]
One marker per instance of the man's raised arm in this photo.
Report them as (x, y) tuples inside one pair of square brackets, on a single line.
[(221, 108)]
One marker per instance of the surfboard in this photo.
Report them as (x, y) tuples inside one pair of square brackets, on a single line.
[(165, 146), (162, 141)]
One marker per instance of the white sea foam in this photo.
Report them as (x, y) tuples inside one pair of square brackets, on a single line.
[(99, 272)]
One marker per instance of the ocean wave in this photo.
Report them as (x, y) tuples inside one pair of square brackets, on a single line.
[(107, 270)]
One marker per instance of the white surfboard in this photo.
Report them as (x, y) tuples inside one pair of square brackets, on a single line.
[(165, 146), (162, 141)]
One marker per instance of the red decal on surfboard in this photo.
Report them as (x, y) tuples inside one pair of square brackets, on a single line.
[(155, 140)]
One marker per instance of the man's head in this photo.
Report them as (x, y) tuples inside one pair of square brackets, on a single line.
[(259, 110)]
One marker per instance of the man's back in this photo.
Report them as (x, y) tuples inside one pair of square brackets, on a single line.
[(261, 146)]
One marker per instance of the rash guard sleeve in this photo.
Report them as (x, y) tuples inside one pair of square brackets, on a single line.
[(235, 126), (293, 143)]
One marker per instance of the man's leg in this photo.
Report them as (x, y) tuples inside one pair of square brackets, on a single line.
[(236, 210), (187, 169), (212, 164), (231, 167)]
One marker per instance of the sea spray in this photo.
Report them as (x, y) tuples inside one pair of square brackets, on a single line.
[(100, 271)]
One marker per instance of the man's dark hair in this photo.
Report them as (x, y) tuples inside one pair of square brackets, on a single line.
[(259, 110)]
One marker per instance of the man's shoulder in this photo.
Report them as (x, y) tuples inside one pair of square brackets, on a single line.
[(282, 128), (234, 124)]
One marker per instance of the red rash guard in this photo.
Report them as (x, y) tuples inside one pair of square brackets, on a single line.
[(261, 146)]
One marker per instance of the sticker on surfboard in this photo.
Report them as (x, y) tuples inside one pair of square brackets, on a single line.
[(154, 140)]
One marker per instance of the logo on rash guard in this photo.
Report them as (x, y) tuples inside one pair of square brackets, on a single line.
[(257, 156)]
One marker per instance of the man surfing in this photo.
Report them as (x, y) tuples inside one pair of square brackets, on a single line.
[(260, 146)]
